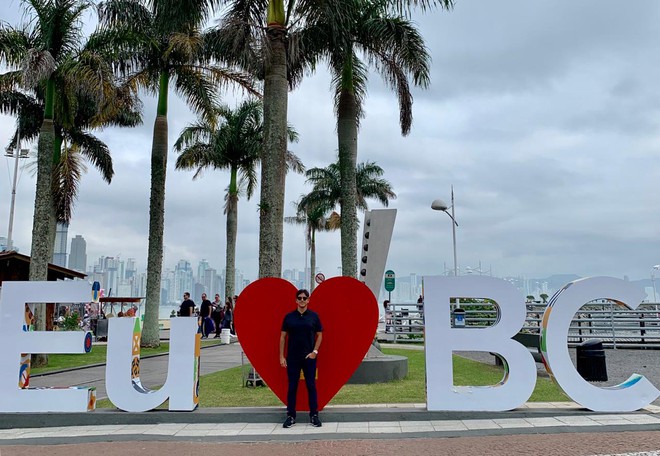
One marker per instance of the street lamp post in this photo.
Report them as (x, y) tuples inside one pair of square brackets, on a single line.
[(20, 153), (653, 269), (439, 205)]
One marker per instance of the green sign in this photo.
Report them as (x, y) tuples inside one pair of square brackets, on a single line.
[(389, 280)]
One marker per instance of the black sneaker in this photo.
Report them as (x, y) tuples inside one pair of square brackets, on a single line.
[(314, 419), (290, 421)]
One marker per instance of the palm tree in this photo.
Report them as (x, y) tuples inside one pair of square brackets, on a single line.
[(52, 76), (326, 193), (326, 184), (42, 54), (159, 43), (314, 218), (232, 140), (265, 36), (74, 143), (394, 47)]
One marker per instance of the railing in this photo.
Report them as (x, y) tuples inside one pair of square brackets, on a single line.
[(615, 325)]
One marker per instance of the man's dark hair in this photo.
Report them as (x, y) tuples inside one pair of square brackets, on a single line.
[(302, 291)]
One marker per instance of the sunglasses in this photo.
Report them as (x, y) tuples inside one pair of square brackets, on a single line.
[(302, 298)]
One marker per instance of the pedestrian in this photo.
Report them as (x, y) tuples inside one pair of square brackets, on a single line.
[(206, 326), (217, 315), (187, 306), (302, 334), (228, 318), (387, 315)]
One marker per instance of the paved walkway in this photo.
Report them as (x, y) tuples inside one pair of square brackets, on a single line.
[(392, 422)]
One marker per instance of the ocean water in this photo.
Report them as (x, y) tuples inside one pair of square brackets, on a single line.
[(165, 311)]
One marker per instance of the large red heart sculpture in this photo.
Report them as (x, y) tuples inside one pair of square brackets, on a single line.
[(349, 316)]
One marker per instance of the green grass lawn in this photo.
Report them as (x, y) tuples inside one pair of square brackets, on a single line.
[(225, 388), (98, 355)]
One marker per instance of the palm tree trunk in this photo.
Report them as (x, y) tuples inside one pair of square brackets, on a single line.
[(44, 213), (150, 330), (312, 261), (232, 228), (44, 209), (271, 227), (347, 134)]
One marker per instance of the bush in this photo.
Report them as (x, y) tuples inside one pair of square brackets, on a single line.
[(71, 323)]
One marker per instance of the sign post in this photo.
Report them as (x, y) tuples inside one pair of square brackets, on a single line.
[(389, 283)]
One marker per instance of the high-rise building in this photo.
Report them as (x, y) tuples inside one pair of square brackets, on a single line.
[(183, 280), (209, 282), (78, 256), (131, 270), (201, 268), (59, 253)]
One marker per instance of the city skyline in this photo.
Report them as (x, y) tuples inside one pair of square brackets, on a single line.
[(121, 277)]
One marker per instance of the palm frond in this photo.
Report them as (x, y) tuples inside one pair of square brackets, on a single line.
[(67, 174), (350, 75), (37, 66), (14, 45), (198, 90), (94, 150)]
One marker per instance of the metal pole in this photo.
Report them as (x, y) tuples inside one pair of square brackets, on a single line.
[(453, 230), (13, 193)]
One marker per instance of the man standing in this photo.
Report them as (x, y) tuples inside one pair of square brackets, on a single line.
[(187, 306), (303, 331), (217, 314), (205, 315)]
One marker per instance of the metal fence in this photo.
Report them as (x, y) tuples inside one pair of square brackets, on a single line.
[(615, 325)]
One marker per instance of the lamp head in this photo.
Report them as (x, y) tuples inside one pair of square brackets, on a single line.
[(439, 205)]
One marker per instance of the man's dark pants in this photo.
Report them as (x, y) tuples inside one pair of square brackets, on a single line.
[(293, 368)]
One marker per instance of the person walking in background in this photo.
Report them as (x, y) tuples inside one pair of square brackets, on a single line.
[(206, 326), (187, 306), (387, 315), (302, 334), (228, 319), (217, 314)]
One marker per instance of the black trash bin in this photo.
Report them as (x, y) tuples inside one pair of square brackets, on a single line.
[(591, 360)]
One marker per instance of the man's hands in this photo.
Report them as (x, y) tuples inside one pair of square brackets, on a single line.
[(312, 355), (282, 361)]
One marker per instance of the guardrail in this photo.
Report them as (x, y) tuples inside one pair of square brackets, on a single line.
[(615, 325)]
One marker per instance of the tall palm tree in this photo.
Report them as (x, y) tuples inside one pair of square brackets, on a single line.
[(159, 44), (393, 46), (50, 71), (327, 188), (41, 54), (314, 218), (263, 36), (232, 140)]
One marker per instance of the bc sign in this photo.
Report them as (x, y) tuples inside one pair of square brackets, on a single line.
[(520, 369)]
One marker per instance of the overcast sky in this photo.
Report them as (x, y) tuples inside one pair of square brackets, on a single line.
[(543, 115)]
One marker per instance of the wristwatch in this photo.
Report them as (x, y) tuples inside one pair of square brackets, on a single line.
[(316, 352)]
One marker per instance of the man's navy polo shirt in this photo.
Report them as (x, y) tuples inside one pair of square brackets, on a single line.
[(301, 329)]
